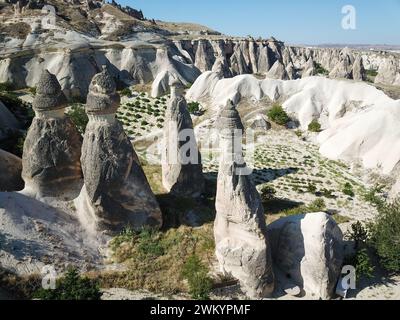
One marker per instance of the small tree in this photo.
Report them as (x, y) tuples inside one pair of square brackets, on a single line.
[(278, 115), (314, 126), (385, 236), (79, 117), (126, 92), (71, 287), (196, 273), (267, 193)]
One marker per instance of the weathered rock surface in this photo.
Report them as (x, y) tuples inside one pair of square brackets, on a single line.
[(389, 72), (309, 69), (309, 250), (182, 171), (343, 69), (358, 72), (116, 192), (240, 232), (52, 148), (278, 71), (34, 234), (8, 122), (10, 172)]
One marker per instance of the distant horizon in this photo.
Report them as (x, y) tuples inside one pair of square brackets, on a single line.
[(305, 22)]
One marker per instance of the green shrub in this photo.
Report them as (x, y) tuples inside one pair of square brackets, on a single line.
[(385, 236), (144, 123), (328, 193), (278, 115), (79, 117), (6, 86), (320, 69), (317, 205), (299, 133), (314, 126), (193, 107), (267, 193), (372, 73), (363, 265), (358, 234), (126, 92), (71, 287), (372, 196), (196, 273), (149, 243), (348, 190), (32, 90), (311, 188)]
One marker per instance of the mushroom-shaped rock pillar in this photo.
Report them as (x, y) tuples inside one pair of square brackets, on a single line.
[(116, 193), (182, 171), (52, 148), (240, 231)]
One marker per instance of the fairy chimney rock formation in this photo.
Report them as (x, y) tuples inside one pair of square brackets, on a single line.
[(359, 72), (182, 171), (52, 149), (240, 232), (116, 193)]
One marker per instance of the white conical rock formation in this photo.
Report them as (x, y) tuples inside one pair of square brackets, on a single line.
[(240, 232)]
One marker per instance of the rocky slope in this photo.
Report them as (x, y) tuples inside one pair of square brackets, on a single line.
[(137, 50), (351, 114)]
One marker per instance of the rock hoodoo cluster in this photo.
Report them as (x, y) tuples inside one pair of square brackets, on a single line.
[(116, 192), (52, 149), (240, 231)]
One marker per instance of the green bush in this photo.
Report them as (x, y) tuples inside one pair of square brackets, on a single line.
[(385, 236), (320, 69), (144, 123), (314, 126), (372, 73), (348, 190), (311, 188), (267, 193), (317, 205), (196, 273), (372, 196), (358, 234), (6, 86), (79, 117), (193, 107), (71, 287), (363, 265), (278, 115), (126, 92), (32, 90)]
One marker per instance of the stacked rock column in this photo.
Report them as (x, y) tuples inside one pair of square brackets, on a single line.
[(52, 148), (116, 193), (240, 232)]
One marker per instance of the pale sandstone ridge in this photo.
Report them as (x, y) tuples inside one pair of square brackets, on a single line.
[(309, 251), (242, 247), (52, 149), (182, 171), (116, 192)]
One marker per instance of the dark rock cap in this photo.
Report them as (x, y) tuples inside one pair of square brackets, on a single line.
[(102, 98), (230, 118), (49, 95)]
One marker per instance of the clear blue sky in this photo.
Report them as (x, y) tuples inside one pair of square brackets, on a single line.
[(292, 21)]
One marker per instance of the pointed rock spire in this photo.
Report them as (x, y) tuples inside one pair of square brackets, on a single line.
[(48, 94), (102, 98), (240, 233)]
